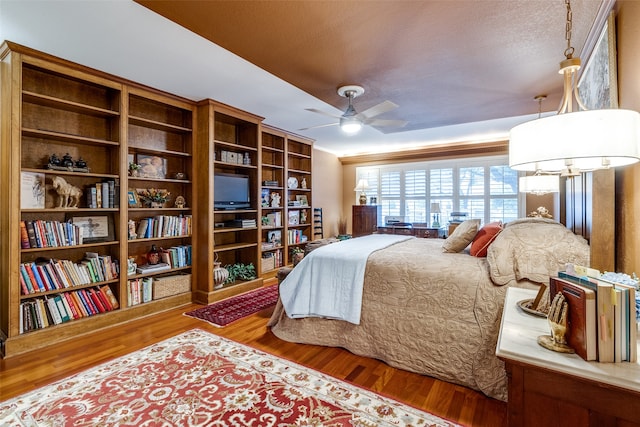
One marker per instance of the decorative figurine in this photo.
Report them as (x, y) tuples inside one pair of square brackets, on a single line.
[(153, 256), (180, 202), (67, 161), (303, 217), (246, 160), (131, 266), (54, 160), (81, 163), (557, 319), (303, 184), (68, 195), (275, 200)]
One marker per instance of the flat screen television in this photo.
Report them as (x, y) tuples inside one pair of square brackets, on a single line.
[(231, 191)]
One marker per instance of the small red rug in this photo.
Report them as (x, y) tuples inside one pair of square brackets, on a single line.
[(201, 379), (223, 312)]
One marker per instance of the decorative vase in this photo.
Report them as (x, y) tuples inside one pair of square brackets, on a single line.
[(156, 205), (220, 275)]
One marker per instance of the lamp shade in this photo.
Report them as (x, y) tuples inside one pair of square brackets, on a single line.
[(362, 185), (539, 184), (584, 140), (350, 125), (435, 207)]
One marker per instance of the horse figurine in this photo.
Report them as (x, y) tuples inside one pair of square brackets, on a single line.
[(68, 195)]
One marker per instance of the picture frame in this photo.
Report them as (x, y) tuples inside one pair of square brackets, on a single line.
[(95, 228), (265, 198), (294, 217), (32, 190), (132, 198), (302, 199), (598, 83), (152, 166), (275, 237)]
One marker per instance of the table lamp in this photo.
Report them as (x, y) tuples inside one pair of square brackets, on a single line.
[(435, 210), (362, 186)]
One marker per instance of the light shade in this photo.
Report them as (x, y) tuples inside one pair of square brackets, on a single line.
[(435, 207), (362, 185), (584, 140), (350, 125), (539, 184)]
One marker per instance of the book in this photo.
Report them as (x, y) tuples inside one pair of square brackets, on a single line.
[(581, 320)]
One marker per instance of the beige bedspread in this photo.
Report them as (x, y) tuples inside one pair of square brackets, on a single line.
[(434, 313)]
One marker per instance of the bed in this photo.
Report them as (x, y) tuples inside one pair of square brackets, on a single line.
[(437, 313)]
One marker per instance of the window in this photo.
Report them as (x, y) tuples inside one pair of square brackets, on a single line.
[(484, 188)]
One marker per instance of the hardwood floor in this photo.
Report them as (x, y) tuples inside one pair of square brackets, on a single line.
[(26, 372)]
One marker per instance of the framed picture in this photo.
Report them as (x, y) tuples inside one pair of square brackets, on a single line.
[(95, 228), (265, 197), (275, 237), (32, 190), (152, 166), (598, 84), (302, 199), (294, 217), (132, 198)]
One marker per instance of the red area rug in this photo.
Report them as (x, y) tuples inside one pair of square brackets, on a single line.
[(223, 312), (200, 379)]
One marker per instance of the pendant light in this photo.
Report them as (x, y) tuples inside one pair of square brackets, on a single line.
[(574, 141)]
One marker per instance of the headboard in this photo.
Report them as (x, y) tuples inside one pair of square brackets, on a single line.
[(589, 210)]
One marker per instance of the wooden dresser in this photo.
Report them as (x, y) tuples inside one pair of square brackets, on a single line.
[(365, 219), (554, 389)]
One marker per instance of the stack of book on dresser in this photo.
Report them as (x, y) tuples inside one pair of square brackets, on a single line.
[(601, 324)]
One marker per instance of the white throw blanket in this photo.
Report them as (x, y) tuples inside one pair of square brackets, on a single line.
[(328, 282)]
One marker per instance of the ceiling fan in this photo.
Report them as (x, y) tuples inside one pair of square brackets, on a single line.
[(351, 121)]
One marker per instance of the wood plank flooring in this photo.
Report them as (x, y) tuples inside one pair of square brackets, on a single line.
[(26, 372)]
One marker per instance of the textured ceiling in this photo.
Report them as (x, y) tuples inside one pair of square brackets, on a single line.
[(443, 62)]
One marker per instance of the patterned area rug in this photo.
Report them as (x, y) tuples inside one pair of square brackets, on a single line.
[(223, 312), (200, 379)]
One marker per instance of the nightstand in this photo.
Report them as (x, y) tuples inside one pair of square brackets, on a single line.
[(555, 389)]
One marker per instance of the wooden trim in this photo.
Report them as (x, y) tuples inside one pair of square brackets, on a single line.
[(436, 151)]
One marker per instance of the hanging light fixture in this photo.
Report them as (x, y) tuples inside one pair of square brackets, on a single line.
[(574, 141), (349, 122), (539, 184)]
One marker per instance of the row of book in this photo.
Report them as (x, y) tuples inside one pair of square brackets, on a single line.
[(296, 236), (162, 226), (50, 310), (601, 320), (272, 260), (176, 256), (104, 194), (50, 274), (139, 291), (45, 234)]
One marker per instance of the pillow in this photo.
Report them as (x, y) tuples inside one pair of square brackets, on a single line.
[(484, 238), (461, 236)]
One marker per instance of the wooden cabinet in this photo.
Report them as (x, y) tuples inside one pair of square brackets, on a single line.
[(557, 389), (160, 144), (70, 127), (272, 201), (298, 210), (61, 121), (229, 147), (365, 219)]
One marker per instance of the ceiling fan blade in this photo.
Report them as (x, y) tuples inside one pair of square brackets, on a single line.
[(313, 110), (383, 122), (320, 126), (376, 110)]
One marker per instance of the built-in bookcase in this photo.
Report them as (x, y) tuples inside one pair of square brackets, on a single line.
[(272, 201), (299, 211)]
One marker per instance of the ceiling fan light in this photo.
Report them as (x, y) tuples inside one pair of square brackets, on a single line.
[(350, 125)]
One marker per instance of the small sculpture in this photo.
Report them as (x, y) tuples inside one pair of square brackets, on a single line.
[(303, 217), (67, 161), (303, 184), (541, 212), (180, 202), (557, 318), (68, 195), (275, 200)]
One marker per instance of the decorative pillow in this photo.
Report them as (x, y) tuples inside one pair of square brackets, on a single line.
[(462, 236), (484, 238)]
